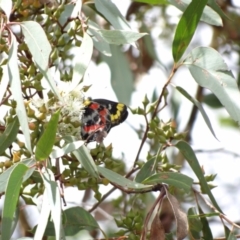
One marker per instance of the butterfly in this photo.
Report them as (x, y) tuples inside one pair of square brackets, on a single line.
[(100, 115)]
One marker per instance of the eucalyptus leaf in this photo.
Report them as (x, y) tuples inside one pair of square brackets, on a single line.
[(9, 135), (120, 180), (11, 198), (119, 37), (15, 86), (210, 71), (187, 27)]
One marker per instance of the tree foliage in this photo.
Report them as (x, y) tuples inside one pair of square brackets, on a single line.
[(47, 41)]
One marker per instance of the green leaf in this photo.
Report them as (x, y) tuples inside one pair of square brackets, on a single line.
[(43, 219), (98, 41), (37, 43), (83, 55), (84, 157), (210, 71), (16, 89), (231, 236), (194, 223), (209, 16), (4, 81), (191, 158), (6, 6), (11, 199), (109, 10), (76, 219), (9, 135), (200, 108), (68, 148), (186, 28), (54, 200), (111, 13), (119, 37), (5, 175), (121, 74), (40, 49), (45, 144), (206, 230), (120, 180), (146, 171), (212, 101), (175, 179)]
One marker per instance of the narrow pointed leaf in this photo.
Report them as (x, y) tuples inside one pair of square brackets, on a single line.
[(120, 180), (186, 28), (199, 106), (15, 85), (54, 200), (4, 81), (177, 180), (207, 233), (45, 144), (70, 147), (83, 55), (9, 135), (40, 49), (43, 219), (11, 199), (146, 171), (191, 158), (76, 219), (119, 37), (84, 157)]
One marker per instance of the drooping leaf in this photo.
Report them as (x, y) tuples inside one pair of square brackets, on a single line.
[(175, 179), (4, 81), (109, 10), (200, 108), (209, 15), (120, 180), (11, 199), (43, 219), (194, 222), (84, 157), (70, 147), (146, 171), (15, 86), (119, 37), (186, 28), (212, 101), (191, 158), (99, 43), (9, 135), (40, 48), (76, 219), (210, 71), (207, 233), (121, 74), (45, 144), (54, 200), (83, 55)]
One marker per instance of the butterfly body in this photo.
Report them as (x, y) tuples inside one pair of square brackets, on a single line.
[(100, 115)]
